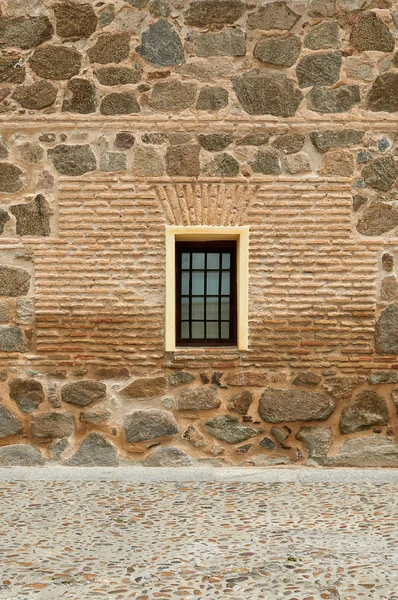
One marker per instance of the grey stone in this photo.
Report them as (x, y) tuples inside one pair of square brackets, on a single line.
[(141, 425), (172, 95), (297, 163), (107, 16), (145, 387), (370, 33), (155, 138), (356, 68), (118, 75), (380, 174), (4, 218), (277, 405), (338, 163), (279, 434), (55, 62), (327, 139), (95, 450), (104, 372), (147, 162), (113, 161), (72, 160), (386, 334), (323, 36), (41, 94), (110, 48), (222, 165), (267, 443), (183, 160), (241, 402), (24, 32), (97, 415), (159, 8), (161, 45), (278, 51), (32, 218), (3, 148), (14, 281), (11, 178), (369, 451), (319, 69), (12, 69), (212, 98), (335, 100), (58, 447), (229, 42), (229, 429), (31, 153), (342, 387), (194, 436), (181, 377), (25, 311), (387, 262), (80, 97), (124, 140), (11, 339), (202, 13), (388, 288), (204, 398), (363, 156), (253, 139), (266, 161), (394, 398), (119, 103), (377, 218), (321, 8), (52, 425), (289, 142), (383, 95), (267, 92), (261, 460), (75, 20), (367, 410), (168, 457), (307, 378), (272, 15), (9, 424), (20, 455), (383, 377), (83, 393), (209, 69), (137, 3), (317, 440)]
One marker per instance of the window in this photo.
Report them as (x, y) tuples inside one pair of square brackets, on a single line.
[(206, 293), (206, 286)]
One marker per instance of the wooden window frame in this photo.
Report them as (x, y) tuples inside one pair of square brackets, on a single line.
[(199, 233)]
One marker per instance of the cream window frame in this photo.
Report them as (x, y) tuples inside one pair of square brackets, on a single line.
[(205, 233)]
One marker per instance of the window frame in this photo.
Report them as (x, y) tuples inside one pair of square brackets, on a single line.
[(207, 233)]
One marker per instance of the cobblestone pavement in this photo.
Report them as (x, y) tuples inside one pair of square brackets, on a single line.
[(243, 541)]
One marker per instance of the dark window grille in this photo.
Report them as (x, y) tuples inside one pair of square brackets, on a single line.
[(206, 308)]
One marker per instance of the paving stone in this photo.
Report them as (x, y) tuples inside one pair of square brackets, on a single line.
[(383, 95), (145, 387), (168, 457), (367, 410), (95, 450), (377, 218), (172, 95), (12, 70), (80, 97), (278, 51), (73, 159), (273, 15), (141, 425), (9, 424), (52, 425), (161, 45), (222, 165), (83, 393), (111, 76), (386, 333), (24, 32), (110, 48), (55, 62), (267, 92), (323, 36), (334, 100), (36, 96), (32, 218), (20, 455), (14, 281), (317, 440), (202, 13), (229, 429), (75, 20), (229, 42), (278, 405), (371, 33), (11, 339), (203, 398), (212, 98)]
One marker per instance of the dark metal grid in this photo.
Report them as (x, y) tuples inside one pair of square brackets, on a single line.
[(225, 247)]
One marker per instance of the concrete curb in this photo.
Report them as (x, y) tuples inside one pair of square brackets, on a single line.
[(189, 474)]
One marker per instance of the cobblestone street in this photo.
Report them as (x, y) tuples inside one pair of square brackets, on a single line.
[(291, 540)]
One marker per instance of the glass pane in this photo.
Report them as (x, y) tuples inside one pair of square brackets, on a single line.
[(213, 261), (225, 308), (225, 283), (198, 284), (198, 331), (212, 283), (185, 260), (184, 308), (226, 261), (185, 331), (198, 260), (212, 308), (212, 330), (185, 283), (198, 308), (224, 331)]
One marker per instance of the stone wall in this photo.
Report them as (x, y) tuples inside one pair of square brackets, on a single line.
[(118, 119)]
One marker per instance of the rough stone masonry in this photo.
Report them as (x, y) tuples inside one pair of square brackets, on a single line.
[(119, 118)]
